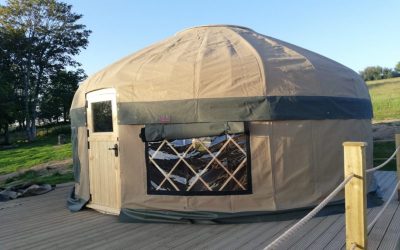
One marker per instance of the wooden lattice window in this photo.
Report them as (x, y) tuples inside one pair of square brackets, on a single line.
[(217, 165)]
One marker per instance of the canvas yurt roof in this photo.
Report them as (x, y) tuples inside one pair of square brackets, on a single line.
[(212, 111), (202, 67)]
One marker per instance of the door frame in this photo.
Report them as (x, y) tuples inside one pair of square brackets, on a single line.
[(108, 94)]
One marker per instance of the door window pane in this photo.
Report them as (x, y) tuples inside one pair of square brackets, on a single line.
[(102, 116)]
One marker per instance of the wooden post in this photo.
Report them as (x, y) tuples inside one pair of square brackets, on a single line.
[(397, 139), (355, 195)]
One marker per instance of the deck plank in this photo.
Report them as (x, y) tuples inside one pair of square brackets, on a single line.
[(241, 236), (217, 237), (264, 239), (44, 222), (315, 222), (378, 231), (385, 181), (391, 239), (316, 232), (329, 233)]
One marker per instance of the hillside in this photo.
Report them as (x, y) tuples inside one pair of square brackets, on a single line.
[(385, 95)]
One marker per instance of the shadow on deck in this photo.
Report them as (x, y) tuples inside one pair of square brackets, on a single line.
[(44, 222)]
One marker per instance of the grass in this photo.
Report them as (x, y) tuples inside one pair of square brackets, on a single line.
[(26, 155), (385, 95), (39, 177), (382, 151)]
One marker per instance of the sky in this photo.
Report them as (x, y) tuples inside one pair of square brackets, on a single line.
[(355, 33)]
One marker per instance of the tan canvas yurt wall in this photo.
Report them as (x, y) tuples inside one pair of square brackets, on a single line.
[(292, 107)]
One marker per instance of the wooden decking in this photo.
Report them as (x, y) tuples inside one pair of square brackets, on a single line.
[(44, 222)]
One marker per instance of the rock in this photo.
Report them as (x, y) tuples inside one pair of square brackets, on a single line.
[(37, 190), (10, 194), (61, 139), (4, 198)]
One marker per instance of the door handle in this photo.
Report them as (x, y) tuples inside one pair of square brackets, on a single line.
[(115, 148)]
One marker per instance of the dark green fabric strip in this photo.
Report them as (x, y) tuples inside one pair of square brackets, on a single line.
[(78, 117), (159, 132), (74, 203), (201, 217), (176, 217), (76, 164), (245, 109)]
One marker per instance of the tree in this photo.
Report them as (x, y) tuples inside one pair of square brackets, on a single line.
[(387, 73), (376, 73), (397, 68), (46, 36), (7, 109), (57, 98), (7, 81), (11, 75), (371, 73)]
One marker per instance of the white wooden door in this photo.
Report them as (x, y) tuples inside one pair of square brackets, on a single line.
[(104, 175)]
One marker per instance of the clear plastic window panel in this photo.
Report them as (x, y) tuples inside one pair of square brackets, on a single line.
[(207, 165), (102, 116)]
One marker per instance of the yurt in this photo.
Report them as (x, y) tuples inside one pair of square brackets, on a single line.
[(215, 123)]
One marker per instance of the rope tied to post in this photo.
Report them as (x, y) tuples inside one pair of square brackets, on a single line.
[(309, 216), (283, 237), (384, 163), (391, 195)]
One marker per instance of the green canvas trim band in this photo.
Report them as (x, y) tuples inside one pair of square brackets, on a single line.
[(159, 132), (245, 109), (78, 117), (205, 217), (259, 108), (209, 217)]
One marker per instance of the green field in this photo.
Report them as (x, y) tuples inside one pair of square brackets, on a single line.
[(385, 95), (26, 155)]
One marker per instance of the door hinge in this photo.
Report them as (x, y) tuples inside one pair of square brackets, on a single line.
[(88, 144), (86, 112), (88, 133)]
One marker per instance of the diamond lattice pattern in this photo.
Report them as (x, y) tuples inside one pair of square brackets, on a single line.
[(206, 164)]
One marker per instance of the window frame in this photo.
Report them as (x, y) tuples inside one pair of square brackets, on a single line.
[(108, 94)]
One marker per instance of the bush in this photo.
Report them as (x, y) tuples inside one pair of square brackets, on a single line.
[(376, 73)]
